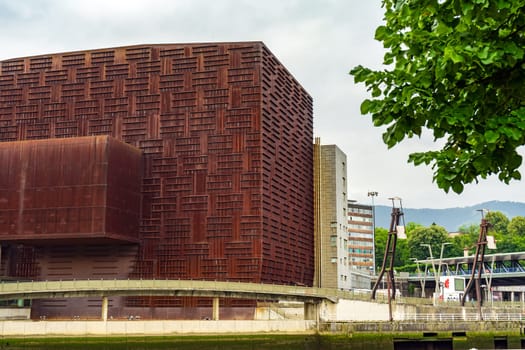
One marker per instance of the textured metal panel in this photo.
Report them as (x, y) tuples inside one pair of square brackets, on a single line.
[(226, 135), (287, 164), (68, 262), (69, 189)]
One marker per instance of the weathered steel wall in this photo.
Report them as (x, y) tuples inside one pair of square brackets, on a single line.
[(59, 191), (226, 135), (287, 174), (83, 261)]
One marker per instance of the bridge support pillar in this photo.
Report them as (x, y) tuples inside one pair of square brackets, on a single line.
[(215, 313), (104, 312), (311, 311)]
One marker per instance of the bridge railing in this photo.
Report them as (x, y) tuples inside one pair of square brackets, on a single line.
[(147, 284), (447, 317)]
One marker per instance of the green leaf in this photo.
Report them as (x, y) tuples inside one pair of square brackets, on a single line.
[(491, 136), (382, 32), (360, 74), (504, 32), (365, 106), (512, 133), (491, 58), (443, 29), (483, 54), (457, 187), (502, 4), (451, 54), (514, 50)]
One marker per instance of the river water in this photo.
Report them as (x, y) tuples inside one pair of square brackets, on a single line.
[(262, 342)]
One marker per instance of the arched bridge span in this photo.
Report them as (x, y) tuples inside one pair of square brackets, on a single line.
[(181, 288)]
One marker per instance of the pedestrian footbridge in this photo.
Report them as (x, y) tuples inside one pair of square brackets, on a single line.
[(177, 288)]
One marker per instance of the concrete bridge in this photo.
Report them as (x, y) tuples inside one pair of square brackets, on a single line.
[(311, 297), (320, 304)]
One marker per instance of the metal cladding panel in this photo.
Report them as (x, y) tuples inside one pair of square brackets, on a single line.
[(287, 128), (124, 175), (82, 261), (57, 189), (195, 112)]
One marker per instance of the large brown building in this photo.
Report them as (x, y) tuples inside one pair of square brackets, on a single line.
[(190, 161)]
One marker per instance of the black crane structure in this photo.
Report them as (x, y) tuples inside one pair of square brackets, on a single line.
[(478, 265), (389, 255), (390, 252)]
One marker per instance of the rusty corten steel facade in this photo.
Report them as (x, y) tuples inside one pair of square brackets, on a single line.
[(84, 189), (225, 133)]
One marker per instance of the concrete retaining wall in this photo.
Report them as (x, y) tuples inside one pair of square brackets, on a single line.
[(368, 311), (17, 313), (354, 310), (134, 328), (456, 326)]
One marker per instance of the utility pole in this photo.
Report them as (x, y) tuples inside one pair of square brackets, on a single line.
[(373, 194)]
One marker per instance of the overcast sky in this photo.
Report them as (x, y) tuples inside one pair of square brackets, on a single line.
[(318, 41)]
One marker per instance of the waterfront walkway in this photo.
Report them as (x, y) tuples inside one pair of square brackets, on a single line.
[(75, 328), (150, 327)]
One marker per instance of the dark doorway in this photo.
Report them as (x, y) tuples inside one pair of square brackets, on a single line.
[(501, 343), (423, 344)]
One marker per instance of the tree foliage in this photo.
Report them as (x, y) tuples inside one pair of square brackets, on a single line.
[(510, 237), (381, 235), (466, 239), (457, 69), (402, 254), (498, 222), (516, 226), (434, 235)]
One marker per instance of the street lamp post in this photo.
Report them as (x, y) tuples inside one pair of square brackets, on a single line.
[(438, 272), (441, 256), (436, 277), (373, 194), (421, 279)]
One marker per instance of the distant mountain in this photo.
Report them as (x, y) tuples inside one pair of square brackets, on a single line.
[(451, 218)]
